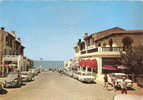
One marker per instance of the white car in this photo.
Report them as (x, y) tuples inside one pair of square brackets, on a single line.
[(26, 76), (117, 78), (35, 71), (13, 79), (86, 77), (76, 75), (1, 86), (68, 72)]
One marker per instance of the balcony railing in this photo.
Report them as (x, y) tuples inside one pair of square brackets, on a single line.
[(114, 49), (103, 49), (83, 52), (92, 50)]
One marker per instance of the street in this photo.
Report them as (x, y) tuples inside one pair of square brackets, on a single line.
[(53, 86)]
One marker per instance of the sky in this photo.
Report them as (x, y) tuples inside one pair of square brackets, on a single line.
[(49, 29)]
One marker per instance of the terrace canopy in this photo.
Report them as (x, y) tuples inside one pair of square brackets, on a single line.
[(109, 67), (89, 63)]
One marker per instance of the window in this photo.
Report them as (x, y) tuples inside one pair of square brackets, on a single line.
[(99, 44), (104, 44)]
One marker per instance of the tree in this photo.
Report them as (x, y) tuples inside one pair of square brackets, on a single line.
[(132, 58)]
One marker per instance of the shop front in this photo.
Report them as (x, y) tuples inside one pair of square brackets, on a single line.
[(88, 65)]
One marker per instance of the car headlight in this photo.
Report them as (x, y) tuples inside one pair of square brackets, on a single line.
[(15, 80)]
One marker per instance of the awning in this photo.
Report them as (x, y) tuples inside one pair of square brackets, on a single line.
[(92, 63), (110, 67), (122, 67), (89, 63)]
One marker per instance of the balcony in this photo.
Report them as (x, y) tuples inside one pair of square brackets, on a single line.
[(11, 57), (102, 51), (92, 50), (113, 49), (83, 52)]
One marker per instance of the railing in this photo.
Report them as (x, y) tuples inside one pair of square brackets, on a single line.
[(92, 50), (103, 49), (10, 55), (83, 52), (112, 49), (91, 47)]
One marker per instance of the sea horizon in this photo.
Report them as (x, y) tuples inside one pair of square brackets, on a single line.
[(49, 63)]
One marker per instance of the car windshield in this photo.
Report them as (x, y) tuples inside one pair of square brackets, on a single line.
[(24, 73), (11, 77), (119, 76), (86, 74)]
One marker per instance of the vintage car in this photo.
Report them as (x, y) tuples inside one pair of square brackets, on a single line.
[(1, 86), (35, 71), (26, 76), (86, 77), (117, 78), (13, 80), (76, 74), (68, 72), (139, 80)]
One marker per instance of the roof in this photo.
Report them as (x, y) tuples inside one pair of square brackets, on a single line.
[(113, 31)]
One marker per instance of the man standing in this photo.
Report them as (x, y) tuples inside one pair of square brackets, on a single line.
[(106, 81)]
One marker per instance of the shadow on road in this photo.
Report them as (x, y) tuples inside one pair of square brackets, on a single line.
[(23, 84), (132, 89), (3, 91), (89, 82)]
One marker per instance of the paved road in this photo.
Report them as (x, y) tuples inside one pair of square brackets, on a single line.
[(53, 86)]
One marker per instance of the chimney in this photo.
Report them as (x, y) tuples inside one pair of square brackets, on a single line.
[(85, 35), (19, 39), (14, 33), (2, 28)]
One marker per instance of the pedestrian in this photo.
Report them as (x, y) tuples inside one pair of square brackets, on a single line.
[(124, 86), (106, 81)]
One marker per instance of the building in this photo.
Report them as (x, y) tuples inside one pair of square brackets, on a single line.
[(101, 50), (11, 53)]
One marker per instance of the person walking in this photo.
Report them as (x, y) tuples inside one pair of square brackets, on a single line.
[(106, 81), (124, 86)]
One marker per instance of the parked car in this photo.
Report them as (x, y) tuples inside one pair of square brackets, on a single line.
[(76, 74), (35, 71), (86, 77), (117, 78), (13, 80), (26, 76), (68, 72), (1, 86), (139, 80)]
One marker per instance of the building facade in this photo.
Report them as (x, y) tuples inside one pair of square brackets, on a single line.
[(11, 53), (104, 48)]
